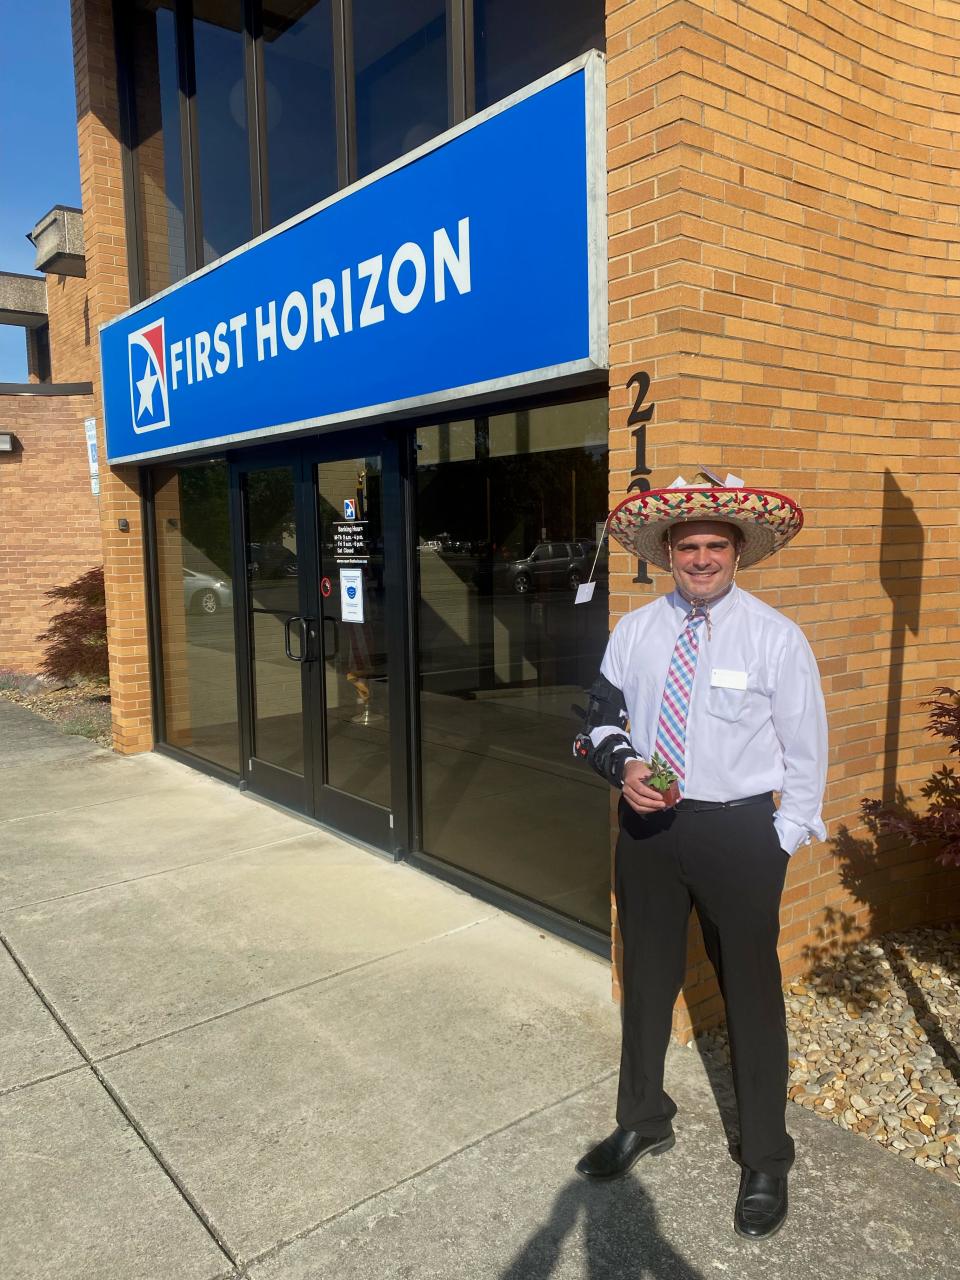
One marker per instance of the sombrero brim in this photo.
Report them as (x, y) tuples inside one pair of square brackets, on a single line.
[(766, 519)]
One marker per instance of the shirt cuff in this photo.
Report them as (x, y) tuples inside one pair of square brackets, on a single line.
[(790, 834)]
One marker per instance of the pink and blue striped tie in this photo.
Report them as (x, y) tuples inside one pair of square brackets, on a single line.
[(672, 725)]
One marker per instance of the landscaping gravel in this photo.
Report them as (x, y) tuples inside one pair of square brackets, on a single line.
[(79, 706), (873, 1044)]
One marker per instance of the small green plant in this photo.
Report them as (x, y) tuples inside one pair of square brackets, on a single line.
[(76, 639), (661, 775), (9, 681), (663, 779), (940, 825)]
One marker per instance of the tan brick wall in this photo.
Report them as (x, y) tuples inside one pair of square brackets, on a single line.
[(108, 294), (785, 264), (43, 543), (72, 343)]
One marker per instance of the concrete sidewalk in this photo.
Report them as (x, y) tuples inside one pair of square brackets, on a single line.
[(233, 1044)]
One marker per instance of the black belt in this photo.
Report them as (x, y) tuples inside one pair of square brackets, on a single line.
[(701, 806)]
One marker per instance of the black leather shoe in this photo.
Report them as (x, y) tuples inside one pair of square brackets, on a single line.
[(761, 1205), (616, 1155)]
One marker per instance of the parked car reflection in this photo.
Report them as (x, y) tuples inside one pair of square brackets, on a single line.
[(552, 566), (203, 593)]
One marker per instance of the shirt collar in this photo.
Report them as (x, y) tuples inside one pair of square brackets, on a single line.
[(718, 611)]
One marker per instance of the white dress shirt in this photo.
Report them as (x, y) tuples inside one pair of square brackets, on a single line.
[(770, 735)]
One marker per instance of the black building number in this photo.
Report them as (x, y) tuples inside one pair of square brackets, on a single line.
[(638, 419)]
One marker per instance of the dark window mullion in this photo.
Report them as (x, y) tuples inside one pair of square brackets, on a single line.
[(122, 20), (193, 226), (469, 61), (256, 99), (460, 59), (346, 115)]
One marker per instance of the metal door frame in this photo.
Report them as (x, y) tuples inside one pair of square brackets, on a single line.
[(390, 829)]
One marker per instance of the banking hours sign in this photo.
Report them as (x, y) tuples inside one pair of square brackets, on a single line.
[(471, 266)]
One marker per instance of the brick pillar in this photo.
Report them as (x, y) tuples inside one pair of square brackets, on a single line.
[(101, 184), (783, 263)]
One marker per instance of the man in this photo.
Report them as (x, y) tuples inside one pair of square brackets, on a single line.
[(726, 691)]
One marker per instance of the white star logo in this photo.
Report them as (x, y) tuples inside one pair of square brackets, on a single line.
[(146, 386)]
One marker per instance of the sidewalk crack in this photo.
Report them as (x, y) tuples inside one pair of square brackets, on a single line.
[(200, 1214)]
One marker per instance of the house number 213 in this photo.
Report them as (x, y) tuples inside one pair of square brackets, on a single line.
[(638, 419)]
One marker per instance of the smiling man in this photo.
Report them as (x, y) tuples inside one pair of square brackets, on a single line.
[(726, 691)]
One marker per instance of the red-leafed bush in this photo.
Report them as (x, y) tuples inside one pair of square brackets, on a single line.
[(76, 639), (941, 823)]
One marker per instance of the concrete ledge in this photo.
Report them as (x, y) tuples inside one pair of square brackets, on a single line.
[(58, 240), (46, 388), (23, 300)]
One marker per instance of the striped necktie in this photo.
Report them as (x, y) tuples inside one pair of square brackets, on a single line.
[(672, 725)]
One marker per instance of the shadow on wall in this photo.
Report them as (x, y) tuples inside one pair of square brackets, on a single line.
[(890, 886)]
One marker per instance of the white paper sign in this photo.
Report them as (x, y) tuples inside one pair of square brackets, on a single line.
[(351, 595), (722, 679), (90, 430), (585, 592)]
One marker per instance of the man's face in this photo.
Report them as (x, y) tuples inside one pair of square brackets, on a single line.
[(704, 554)]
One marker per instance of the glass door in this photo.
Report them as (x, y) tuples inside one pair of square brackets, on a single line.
[(360, 772), (279, 636), (324, 618)]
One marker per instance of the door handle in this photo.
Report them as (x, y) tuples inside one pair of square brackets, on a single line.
[(287, 648)]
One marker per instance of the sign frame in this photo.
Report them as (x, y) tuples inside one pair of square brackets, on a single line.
[(573, 372)]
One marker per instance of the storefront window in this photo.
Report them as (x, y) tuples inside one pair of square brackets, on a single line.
[(158, 157), (516, 41), (301, 132), (196, 611), (223, 144), (511, 511), (400, 64)]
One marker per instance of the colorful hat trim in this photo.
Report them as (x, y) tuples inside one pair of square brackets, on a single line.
[(767, 520)]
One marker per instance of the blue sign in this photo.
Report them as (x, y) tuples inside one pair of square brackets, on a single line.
[(349, 511), (474, 264)]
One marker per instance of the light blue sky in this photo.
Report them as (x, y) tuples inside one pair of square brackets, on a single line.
[(38, 140)]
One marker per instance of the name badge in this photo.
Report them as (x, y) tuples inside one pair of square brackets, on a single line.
[(721, 679)]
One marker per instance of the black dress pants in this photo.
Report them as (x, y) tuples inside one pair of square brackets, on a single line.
[(728, 864)]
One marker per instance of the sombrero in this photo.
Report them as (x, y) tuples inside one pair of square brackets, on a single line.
[(766, 519)]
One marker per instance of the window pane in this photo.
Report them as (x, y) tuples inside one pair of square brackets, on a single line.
[(301, 132), (269, 503), (222, 126), (355, 675), (158, 157), (196, 611), (507, 529), (400, 62), (518, 40)]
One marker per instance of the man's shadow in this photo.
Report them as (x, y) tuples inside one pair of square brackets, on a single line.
[(621, 1236)]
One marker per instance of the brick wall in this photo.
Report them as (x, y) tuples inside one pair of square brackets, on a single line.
[(43, 543), (104, 236), (785, 264), (72, 344)]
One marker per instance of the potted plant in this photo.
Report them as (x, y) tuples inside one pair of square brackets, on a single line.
[(663, 779)]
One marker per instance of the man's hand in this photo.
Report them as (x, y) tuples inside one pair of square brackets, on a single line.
[(641, 798)]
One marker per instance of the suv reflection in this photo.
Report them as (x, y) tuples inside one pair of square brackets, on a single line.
[(549, 566)]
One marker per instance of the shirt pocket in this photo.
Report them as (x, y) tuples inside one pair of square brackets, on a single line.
[(727, 704)]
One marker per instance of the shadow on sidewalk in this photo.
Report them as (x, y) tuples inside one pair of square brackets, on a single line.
[(621, 1235)]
